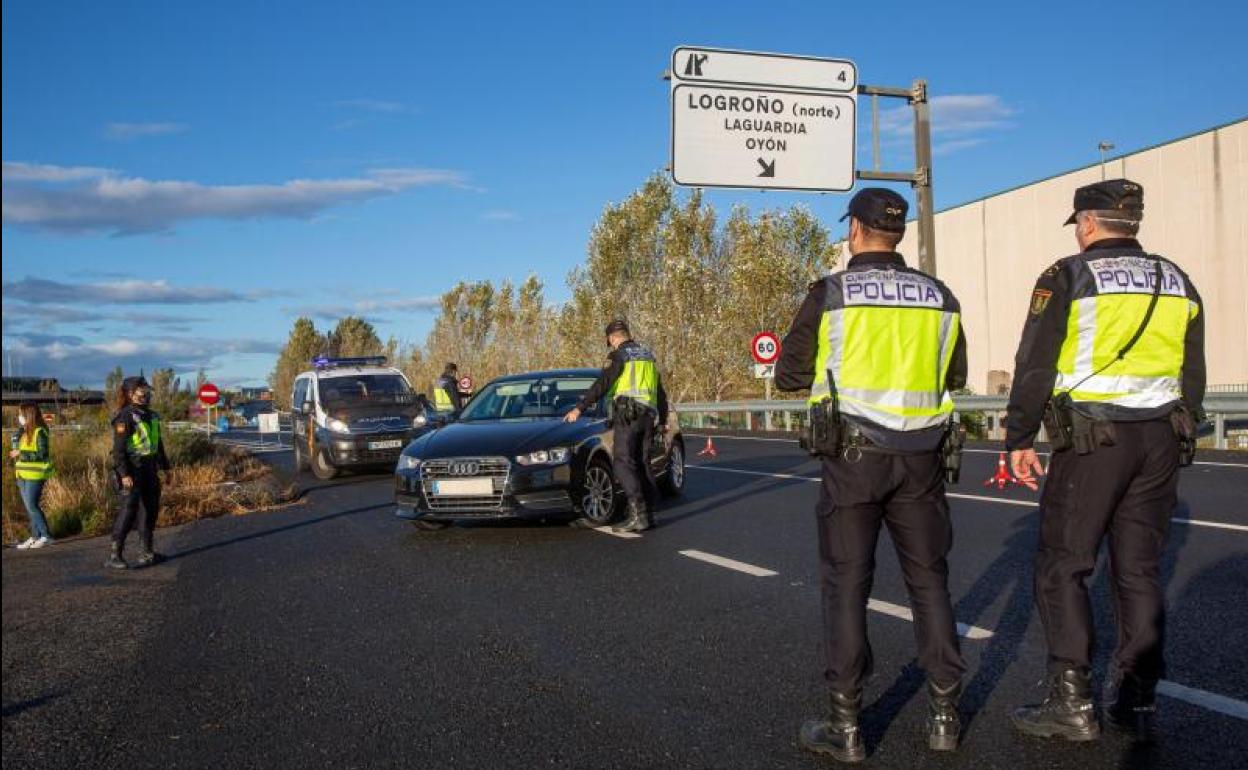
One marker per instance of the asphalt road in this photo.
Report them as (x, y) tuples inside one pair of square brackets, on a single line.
[(330, 634)]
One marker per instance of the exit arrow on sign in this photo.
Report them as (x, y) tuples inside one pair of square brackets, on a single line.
[(769, 169)]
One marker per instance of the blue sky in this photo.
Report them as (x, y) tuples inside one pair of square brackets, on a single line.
[(181, 180)]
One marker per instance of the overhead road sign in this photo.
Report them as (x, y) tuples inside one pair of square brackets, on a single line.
[(695, 64), (763, 121)]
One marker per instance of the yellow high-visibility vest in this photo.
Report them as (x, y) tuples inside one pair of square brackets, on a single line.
[(33, 470), (639, 379), (886, 340)]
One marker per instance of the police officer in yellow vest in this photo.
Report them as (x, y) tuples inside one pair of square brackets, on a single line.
[(632, 384), (446, 396), (32, 456), (880, 347), (138, 456), (1112, 363)]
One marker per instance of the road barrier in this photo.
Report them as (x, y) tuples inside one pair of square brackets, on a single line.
[(792, 414)]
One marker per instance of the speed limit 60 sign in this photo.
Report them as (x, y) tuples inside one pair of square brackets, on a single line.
[(765, 348)]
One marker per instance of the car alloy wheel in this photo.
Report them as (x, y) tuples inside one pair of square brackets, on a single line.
[(598, 500), (673, 481)]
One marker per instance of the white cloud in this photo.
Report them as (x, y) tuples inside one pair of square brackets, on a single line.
[(958, 121), (106, 202), (953, 145), (500, 215), (39, 172), (125, 131), (366, 308), (125, 292)]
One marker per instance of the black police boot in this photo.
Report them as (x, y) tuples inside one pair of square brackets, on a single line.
[(637, 518), (115, 560), (147, 557), (1133, 709), (1067, 712), (837, 736), (943, 724)]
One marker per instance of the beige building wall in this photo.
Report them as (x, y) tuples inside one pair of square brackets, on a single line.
[(990, 251)]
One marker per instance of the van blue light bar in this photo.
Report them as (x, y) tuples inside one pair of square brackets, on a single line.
[(323, 362)]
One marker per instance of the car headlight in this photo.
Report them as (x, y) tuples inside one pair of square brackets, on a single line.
[(545, 457), (337, 426), (420, 421), (408, 463)]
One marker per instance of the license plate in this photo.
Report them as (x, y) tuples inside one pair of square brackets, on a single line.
[(395, 444), (463, 487)]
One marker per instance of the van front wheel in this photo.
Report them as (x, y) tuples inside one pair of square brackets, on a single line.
[(322, 467)]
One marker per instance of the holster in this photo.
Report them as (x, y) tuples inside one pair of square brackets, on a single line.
[(1058, 423), (823, 433), (951, 452), (1184, 425), (627, 410)]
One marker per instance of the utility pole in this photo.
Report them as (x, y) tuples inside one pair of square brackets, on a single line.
[(1104, 147)]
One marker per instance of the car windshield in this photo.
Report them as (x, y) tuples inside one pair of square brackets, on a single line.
[(356, 389), (537, 397)]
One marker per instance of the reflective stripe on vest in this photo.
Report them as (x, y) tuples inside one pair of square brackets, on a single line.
[(886, 340), (32, 470), (1110, 296), (639, 379), (146, 438), (442, 397)]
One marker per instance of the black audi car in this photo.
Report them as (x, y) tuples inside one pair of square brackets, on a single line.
[(510, 455)]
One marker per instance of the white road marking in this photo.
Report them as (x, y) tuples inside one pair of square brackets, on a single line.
[(904, 613), (624, 535), (963, 496), (1208, 700), (720, 561), (977, 451)]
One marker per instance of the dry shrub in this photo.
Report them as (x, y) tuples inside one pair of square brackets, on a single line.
[(207, 480)]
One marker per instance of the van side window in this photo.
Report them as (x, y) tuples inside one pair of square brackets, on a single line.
[(301, 393)]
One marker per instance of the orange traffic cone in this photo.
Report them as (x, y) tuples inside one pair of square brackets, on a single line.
[(709, 450), (1002, 476)]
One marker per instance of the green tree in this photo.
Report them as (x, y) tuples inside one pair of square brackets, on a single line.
[(353, 336), (303, 344)]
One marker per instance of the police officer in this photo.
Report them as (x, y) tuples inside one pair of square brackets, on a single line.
[(446, 396), (1112, 362), (138, 456), (631, 380), (880, 346)]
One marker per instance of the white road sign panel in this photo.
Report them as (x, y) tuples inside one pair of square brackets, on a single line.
[(267, 422), (693, 64), (762, 138), (764, 371)]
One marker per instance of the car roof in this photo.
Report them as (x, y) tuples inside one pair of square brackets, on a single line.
[(549, 373)]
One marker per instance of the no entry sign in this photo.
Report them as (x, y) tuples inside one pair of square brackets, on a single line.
[(465, 384), (765, 348), (209, 395)]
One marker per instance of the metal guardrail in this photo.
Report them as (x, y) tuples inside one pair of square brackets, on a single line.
[(1218, 406)]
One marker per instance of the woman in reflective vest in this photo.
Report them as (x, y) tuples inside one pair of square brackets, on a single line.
[(138, 456), (31, 453)]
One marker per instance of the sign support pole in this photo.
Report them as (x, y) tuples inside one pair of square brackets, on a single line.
[(921, 178)]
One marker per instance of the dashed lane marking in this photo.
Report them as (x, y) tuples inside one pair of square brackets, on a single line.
[(977, 451), (720, 561), (1208, 700), (904, 613), (963, 496)]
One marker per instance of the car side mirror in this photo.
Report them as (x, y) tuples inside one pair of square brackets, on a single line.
[(308, 407)]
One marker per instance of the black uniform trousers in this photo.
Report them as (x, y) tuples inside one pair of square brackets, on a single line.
[(907, 494), (146, 490), (1128, 492), (630, 459)]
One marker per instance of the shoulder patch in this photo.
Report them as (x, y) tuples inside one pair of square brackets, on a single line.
[(1040, 300)]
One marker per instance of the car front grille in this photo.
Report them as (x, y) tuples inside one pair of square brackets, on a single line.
[(497, 469)]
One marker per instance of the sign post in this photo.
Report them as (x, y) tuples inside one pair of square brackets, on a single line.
[(765, 348)]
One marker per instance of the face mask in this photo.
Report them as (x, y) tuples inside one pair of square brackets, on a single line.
[(21, 420)]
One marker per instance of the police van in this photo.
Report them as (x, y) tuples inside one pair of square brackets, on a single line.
[(352, 413)]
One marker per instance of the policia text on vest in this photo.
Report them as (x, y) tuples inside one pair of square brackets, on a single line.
[(1112, 352), (880, 347)]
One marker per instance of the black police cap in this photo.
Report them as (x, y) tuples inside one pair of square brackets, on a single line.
[(879, 208), (1121, 196), (617, 325)]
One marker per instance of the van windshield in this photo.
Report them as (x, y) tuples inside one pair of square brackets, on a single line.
[(361, 389)]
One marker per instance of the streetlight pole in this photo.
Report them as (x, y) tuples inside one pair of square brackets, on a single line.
[(1104, 147)]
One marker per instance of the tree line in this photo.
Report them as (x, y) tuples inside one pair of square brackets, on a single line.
[(693, 289)]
